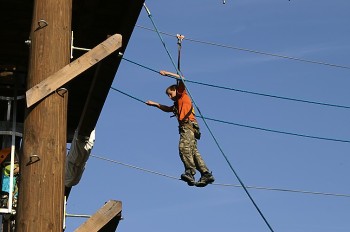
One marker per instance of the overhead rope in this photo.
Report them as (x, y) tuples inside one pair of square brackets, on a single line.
[(218, 145), (247, 91), (225, 185), (252, 127), (251, 50)]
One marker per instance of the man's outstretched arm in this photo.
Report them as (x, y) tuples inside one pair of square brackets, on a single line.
[(160, 106), (170, 74), (181, 87)]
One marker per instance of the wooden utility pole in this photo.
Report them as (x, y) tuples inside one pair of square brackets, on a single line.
[(41, 189)]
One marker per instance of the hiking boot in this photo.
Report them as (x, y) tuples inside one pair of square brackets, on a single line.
[(187, 177), (206, 178)]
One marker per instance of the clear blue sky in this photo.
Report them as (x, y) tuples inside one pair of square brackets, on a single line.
[(133, 133)]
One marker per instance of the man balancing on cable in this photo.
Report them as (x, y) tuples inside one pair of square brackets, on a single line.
[(189, 132)]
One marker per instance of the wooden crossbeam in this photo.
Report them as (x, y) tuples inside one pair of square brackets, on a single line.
[(100, 220), (70, 71)]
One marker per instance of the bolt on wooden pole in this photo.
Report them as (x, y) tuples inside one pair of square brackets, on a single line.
[(41, 188)]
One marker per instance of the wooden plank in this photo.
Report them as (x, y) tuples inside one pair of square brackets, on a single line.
[(73, 69), (102, 217)]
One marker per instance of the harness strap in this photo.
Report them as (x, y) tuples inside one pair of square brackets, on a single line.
[(186, 116)]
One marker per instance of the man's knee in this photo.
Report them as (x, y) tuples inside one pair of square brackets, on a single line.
[(185, 150)]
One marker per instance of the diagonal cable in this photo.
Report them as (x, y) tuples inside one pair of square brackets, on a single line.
[(222, 152)]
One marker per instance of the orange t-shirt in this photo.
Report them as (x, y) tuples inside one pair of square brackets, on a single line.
[(184, 103)]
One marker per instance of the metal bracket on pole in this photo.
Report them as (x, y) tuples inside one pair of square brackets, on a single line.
[(76, 48), (41, 24), (61, 91), (33, 159)]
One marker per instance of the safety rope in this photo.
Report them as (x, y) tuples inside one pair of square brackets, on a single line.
[(179, 46)]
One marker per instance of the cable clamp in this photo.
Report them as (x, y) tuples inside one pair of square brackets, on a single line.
[(147, 10), (179, 38)]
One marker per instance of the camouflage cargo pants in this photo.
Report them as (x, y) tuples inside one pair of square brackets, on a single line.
[(189, 153)]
